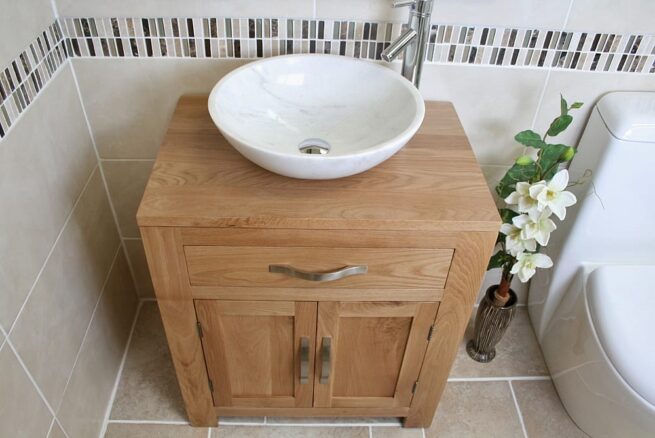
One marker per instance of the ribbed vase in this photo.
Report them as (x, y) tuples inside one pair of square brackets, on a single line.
[(491, 322)]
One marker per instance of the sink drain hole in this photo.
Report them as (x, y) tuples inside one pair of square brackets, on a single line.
[(314, 146)]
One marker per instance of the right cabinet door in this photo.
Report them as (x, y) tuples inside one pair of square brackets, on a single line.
[(369, 354)]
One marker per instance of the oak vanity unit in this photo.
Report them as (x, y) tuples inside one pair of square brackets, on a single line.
[(285, 297)]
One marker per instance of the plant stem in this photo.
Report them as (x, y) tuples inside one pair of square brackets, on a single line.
[(502, 293)]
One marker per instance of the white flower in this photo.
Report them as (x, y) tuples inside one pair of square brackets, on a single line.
[(552, 195), (527, 263), (514, 244), (535, 225), (522, 198)]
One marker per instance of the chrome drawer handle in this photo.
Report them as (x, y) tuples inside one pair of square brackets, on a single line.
[(346, 271), (304, 360), (326, 346)]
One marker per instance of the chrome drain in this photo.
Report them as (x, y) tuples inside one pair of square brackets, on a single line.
[(314, 146)]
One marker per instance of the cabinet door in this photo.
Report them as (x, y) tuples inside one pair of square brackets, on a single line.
[(259, 353), (370, 354)]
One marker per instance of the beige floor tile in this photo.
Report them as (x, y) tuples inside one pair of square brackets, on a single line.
[(141, 273), (517, 354), (332, 420), (290, 432), (124, 430), (470, 409), (543, 413), (396, 432), (148, 388)]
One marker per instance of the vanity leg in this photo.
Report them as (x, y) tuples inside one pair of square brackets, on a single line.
[(163, 247), (468, 267)]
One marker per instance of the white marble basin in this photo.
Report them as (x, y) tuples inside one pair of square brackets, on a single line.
[(316, 116)]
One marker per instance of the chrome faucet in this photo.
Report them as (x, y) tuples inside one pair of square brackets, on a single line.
[(414, 40)]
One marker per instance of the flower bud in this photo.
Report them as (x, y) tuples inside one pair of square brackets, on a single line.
[(524, 160), (568, 154)]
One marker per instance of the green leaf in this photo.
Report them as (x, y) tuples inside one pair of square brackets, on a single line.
[(549, 159), (559, 124), (498, 260), (515, 174), (577, 105), (564, 106), (507, 215), (529, 138)]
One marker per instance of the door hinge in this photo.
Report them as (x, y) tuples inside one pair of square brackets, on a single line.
[(211, 385), (199, 329), (414, 387), (430, 332)]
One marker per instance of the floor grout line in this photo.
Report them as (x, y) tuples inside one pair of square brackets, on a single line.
[(370, 432), (518, 409), (112, 398)]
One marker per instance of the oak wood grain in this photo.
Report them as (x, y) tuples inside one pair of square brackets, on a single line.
[(433, 183), (249, 266)]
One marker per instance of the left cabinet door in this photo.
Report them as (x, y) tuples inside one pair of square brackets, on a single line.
[(259, 353)]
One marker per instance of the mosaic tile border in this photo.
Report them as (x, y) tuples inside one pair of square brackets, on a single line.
[(263, 37), (26, 75)]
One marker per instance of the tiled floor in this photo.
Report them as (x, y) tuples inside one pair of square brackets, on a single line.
[(511, 397)]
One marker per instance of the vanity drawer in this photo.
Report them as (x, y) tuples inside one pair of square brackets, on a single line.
[(386, 268)]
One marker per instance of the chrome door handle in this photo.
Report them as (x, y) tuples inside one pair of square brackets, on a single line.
[(304, 360), (337, 274), (326, 346)]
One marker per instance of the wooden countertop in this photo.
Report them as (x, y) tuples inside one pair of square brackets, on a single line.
[(433, 183)]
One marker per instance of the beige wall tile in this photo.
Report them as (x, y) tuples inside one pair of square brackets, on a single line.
[(49, 331), (126, 181), (20, 22), (187, 8), (118, 430), (44, 162), (22, 412), (611, 16), (493, 105), (56, 432), (476, 409), (290, 432), (517, 354), (524, 14), (588, 88), (543, 413), (137, 257), (87, 396), (142, 94), (148, 389)]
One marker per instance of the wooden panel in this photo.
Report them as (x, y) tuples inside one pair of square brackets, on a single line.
[(314, 294), (387, 267), (377, 350), (252, 351), (469, 265), (166, 262), (433, 183)]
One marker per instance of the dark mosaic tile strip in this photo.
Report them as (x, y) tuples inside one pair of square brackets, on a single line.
[(264, 37), (24, 77)]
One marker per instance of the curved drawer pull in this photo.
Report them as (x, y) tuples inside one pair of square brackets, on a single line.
[(346, 271)]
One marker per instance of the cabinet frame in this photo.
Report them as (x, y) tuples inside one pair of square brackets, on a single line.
[(175, 296)]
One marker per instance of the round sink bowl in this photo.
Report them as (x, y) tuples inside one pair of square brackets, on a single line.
[(316, 116)]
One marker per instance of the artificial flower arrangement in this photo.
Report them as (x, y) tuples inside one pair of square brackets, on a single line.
[(533, 189)]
